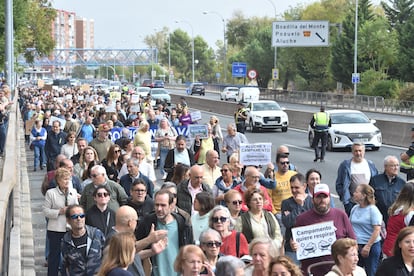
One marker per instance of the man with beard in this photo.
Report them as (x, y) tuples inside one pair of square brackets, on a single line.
[(322, 212), (179, 232)]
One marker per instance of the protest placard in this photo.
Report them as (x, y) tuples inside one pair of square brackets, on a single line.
[(198, 130), (314, 240), (195, 116), (255, 154)]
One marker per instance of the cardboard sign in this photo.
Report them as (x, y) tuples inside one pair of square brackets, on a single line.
[(314, 240), (255, 154), (195, 115)]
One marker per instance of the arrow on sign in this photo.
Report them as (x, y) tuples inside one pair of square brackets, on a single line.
[(322, 39)]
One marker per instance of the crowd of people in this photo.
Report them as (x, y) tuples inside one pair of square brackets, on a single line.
[(201, 216)]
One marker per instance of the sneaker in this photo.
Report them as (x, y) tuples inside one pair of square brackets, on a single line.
[(164, 176)]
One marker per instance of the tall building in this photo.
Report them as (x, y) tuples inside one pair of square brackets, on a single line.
[(63, 29), (85, 35)]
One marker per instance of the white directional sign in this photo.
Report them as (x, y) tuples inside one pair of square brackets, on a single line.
[(300, 33)]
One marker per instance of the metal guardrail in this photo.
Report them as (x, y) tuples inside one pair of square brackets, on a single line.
[(332, 100)]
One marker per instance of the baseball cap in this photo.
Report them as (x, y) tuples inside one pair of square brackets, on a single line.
[(103, 127), (321, 189)]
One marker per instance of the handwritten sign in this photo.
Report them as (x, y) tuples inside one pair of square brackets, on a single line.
[(195, 115), (255, 154), (314, 240)]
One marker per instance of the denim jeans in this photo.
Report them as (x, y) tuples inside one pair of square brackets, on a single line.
[(39, 156), (3, 130), (54, 259), (372, 261), (163, 155)]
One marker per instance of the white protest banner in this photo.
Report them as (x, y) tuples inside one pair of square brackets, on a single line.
[(255, 154), (135, 108), (195, 115), (198, 130), (134, 98), (314, 240)]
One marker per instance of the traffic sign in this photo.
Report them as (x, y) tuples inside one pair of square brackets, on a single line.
[(300, 33), (238, 69), (356, 78), (275, 74), (252, 74)]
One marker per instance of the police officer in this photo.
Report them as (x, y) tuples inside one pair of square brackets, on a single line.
[(240, 117), (407, 158), (320, 123)]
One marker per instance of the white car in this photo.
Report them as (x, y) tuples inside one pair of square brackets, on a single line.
[(160, 94), (266, 115), (229, 93), (348, 127), (142, 91)]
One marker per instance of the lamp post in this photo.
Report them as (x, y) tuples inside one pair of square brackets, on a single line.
[(169, 58), (275, 60), (192, 42), (224, 42), (356, 48)]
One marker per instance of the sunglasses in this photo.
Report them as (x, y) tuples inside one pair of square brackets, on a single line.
[(76, 216), (117, 151), (102, 194), (285, 163), (221, 219), (212, 244), (224, 170), (236, 202)]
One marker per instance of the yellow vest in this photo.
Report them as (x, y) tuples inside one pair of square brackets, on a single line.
[(321, 118)]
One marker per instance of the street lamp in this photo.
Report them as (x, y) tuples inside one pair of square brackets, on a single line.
[(275, 61), (169, 58), (356, 49), (192, 42), (224, 42)]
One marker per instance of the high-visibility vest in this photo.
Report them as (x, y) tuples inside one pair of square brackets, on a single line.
[(321, 118), (408, 166), (238, 114)]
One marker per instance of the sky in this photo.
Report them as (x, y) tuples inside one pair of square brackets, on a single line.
[(125, 23)]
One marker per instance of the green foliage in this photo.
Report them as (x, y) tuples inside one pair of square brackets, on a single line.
[(407, 92), (385, 88)]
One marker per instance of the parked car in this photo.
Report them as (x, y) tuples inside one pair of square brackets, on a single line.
[(348, 127), (147, 83), (266, 115), (160, 94), (229, 93), (158, 84), (196, 88)]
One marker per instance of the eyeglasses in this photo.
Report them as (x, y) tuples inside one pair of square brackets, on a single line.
[(221, 219), (212, 244), (76, 216), (224, 170), (284, 163), (102, 194), (235, 202), (139, 190)]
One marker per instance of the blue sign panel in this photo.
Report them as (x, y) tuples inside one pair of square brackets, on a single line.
[(238, 69)]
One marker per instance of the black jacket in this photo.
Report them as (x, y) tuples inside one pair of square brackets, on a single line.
[(170, 163), (392, 266)]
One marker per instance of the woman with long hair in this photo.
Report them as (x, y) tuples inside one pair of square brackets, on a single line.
[(366, 221), (89, 154), (181, 173), (203, 203), (120, 254), (400, 214), (111, 163)]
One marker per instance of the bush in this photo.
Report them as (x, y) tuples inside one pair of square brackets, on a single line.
[(407, 92)]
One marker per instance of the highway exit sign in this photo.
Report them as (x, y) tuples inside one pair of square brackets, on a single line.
[(300, 33)]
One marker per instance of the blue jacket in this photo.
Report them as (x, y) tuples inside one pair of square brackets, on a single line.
[(343, 180), (73, 260), (126, 183)]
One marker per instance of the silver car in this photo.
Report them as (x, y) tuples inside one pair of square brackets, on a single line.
[(229, 93), (160, 94)]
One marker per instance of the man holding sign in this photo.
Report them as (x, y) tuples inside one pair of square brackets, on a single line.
[(304, 241)]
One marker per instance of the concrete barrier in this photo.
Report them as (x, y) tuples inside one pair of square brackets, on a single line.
[(393, 133)]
